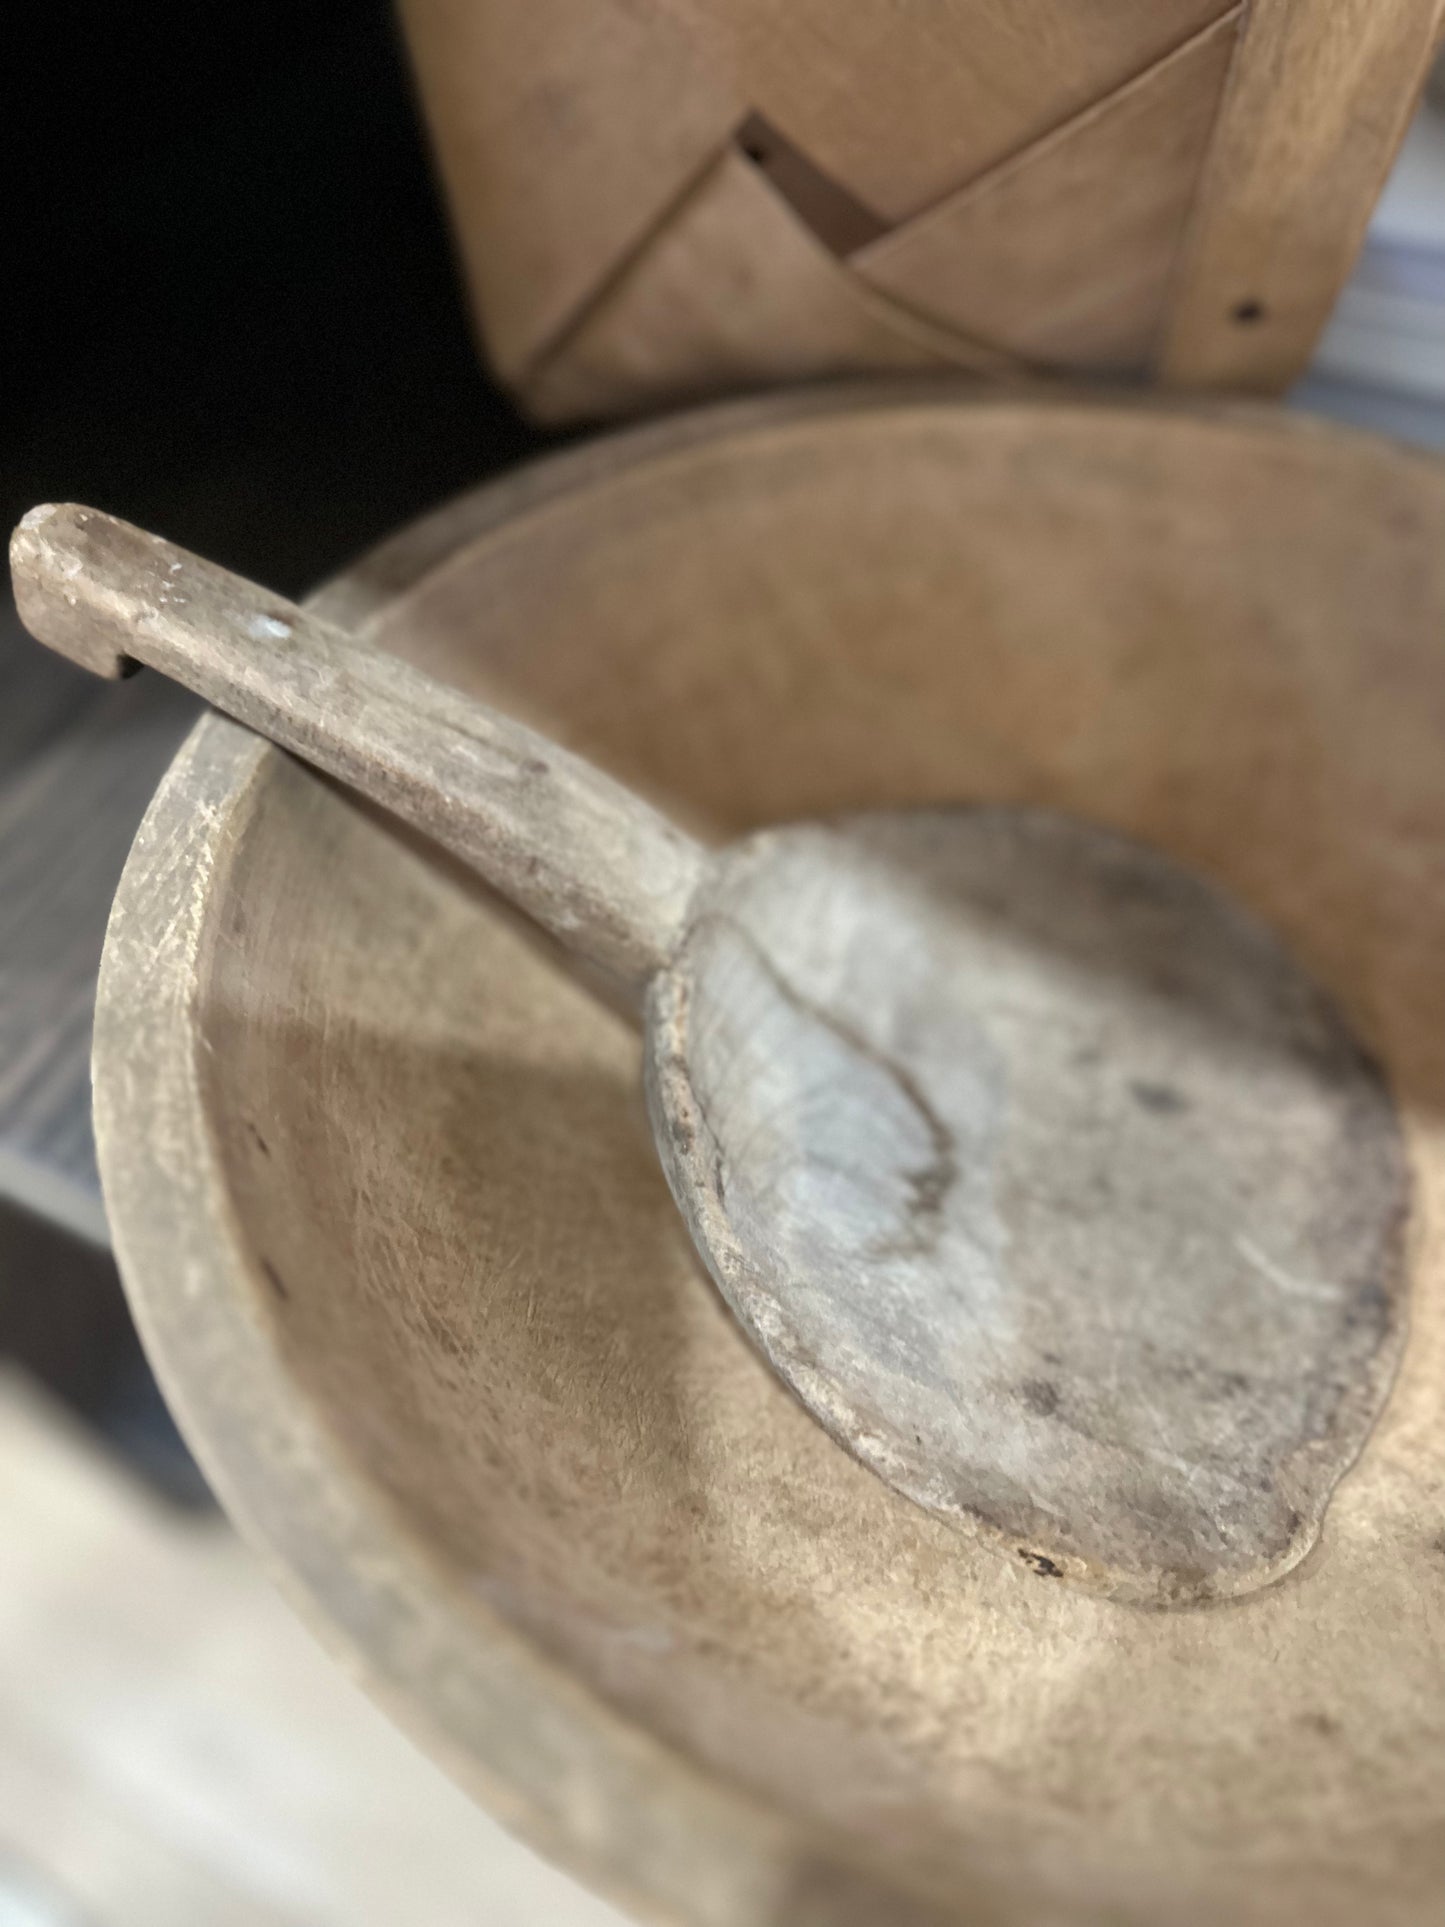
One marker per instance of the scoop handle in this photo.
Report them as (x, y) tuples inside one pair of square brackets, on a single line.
[(584, 857)]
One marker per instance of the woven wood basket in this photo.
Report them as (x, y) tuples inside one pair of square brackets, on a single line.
[(661, 199)]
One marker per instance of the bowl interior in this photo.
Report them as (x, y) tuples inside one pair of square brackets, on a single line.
[(1221, 635)]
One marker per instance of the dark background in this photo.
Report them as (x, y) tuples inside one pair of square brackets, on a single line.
[(232, 307)]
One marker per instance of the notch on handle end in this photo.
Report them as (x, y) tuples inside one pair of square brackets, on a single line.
[(59, 591)]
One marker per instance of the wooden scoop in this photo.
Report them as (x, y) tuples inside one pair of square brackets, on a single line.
[(1039, 1172)]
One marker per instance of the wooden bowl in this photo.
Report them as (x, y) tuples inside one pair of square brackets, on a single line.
[(385, 1201)]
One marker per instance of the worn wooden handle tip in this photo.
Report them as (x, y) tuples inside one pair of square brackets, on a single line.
[(58, 590)]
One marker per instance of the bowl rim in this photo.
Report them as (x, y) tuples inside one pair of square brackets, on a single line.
[(638, 1820)]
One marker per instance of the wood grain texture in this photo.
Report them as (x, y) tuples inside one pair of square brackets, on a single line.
[(396, 1234), (736, 292), (1317, 104), (596, 866), (1064, 254), (1045, 1178), (855, 1049), (175, 1750), (1031, 185), (564, 130), (907, 104)]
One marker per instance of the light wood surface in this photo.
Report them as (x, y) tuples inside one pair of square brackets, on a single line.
[(1065, 182), (1065, 253), (1045, 1179), (904, 104), (592, 863), (398, 1242), (1318, 102), (567, 129), (174, 1749), (735, 292), (856, 1040)]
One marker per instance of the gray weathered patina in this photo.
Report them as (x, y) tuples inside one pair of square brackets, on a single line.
[(1037, 1170)]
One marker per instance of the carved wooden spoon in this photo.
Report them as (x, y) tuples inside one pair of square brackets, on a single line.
[(1038, 1171)]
